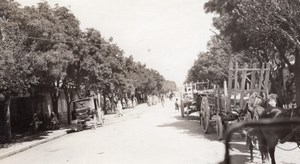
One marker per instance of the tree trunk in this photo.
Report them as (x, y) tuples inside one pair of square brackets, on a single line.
[(104, 104), (297, 76), (7, 118), (68, 100), (54, 100), (32, 106), (112, 103)]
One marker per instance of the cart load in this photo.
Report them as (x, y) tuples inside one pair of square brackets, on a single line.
[(222, 107)]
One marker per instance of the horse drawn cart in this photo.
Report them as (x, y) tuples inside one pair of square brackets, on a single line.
[(221, 107), (191, 99)]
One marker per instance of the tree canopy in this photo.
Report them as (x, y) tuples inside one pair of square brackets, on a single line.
[(47, 44), (43, 49), (254, 32)]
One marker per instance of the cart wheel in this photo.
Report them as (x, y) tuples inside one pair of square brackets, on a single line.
[(200, 116), (205, 124), (219, 128), (187, 113), (182, 109), (102, 119), (205, 115)]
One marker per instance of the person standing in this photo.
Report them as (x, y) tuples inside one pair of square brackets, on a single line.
[(129, 103), (162, 99), (134, 101), (123, 103), (177, 104), (119, 109)]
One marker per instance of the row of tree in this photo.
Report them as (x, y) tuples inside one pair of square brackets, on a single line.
[(43, 49), (254, 32)]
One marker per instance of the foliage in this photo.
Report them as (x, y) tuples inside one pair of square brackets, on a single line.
[(42, 47), (50, 47), (261, 31), (15, 71), (169, 86)]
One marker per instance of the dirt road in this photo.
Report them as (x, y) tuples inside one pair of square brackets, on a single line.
[(150, 135)]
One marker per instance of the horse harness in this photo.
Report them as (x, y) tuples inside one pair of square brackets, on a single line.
[(294, 133)]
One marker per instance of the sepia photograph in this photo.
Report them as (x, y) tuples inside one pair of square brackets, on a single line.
[(150, 81)]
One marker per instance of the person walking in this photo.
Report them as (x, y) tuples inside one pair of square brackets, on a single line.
[(177, 104), (119, 109), (134, 101)]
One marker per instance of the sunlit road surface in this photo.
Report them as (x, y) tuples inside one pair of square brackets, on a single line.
[(154, 135)]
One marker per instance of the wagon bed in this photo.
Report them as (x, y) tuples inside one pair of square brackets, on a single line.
[(219, 107)]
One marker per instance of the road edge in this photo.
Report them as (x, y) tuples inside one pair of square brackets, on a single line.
[(21, 149)]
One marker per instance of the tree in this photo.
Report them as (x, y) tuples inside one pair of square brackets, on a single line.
[(168, 86), (15, 71), (210, 65), (268, 30), (44, 50), (51, 33)]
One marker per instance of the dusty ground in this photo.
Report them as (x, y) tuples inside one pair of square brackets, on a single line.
[(154, 135)]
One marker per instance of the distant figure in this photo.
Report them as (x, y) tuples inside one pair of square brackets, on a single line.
[(129, 103), (124, 103), (177, 104), (149, 100), (162, 99), (119, 109), (134, 102), (35, 123), (54, 121), (171, 96)]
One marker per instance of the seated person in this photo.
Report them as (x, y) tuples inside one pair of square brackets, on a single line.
[(54, 121)]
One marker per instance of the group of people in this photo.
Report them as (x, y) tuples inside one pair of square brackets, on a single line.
[(131, 103), (151, 100), (154, 99), (46, 123)]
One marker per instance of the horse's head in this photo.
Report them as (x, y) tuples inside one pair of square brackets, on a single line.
[(244, 110), (247, 112)]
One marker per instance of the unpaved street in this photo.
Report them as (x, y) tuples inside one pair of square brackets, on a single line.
[(143, 135)]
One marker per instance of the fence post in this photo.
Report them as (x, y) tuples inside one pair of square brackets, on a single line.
[(243, 85), (253, 78), (267, 79), (261, 77), (235, 82), (229, 87)]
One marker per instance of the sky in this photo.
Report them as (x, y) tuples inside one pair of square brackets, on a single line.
[(166, 35)]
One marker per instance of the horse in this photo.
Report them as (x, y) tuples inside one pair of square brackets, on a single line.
[(253, 109), (268, 138)]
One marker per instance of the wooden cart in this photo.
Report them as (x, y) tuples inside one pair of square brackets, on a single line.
[(190, 101), (217, 107)]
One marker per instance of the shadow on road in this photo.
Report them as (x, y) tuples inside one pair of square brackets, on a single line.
[(191, 126), (26, 137), (241, 153)]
